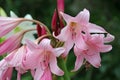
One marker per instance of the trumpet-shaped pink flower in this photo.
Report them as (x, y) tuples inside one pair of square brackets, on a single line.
[(7, 24), (95, 45), (11, 43), (16, 59), (76, 27), (42, 57)]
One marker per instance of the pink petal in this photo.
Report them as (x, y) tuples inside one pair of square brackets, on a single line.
[(64, 34), (32, 72), (5, 70), (54, 68), (32, 46), (83, 16), (17, 60), (79, 58), (38, 74), (67, 45), (66, 17), (18, 57), (78, 62), (6, 45), (80, 43), (93, 28), (8, 74), (32, 59), (18, 76), (58, 51), (94, 59), (109, 38), (7, 24), (106, 48), (45, 44), (47, 75)]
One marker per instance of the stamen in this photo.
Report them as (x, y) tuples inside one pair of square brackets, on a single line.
[(73, 24)]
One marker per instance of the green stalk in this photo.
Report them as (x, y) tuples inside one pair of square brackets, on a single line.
[(62, 64)]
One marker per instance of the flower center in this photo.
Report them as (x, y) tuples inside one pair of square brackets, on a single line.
[(73, 26)]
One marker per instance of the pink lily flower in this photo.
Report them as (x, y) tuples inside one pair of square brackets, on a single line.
[(76, 27), (42, 59), (11, 43), (16, 59), (7, 24), (95, 45)]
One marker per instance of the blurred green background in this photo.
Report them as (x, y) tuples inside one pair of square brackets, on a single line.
[(103, 12)]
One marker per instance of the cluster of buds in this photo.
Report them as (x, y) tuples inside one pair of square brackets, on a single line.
[(39, 56)]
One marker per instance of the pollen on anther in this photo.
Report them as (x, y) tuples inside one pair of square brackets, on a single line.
[(73, 24)]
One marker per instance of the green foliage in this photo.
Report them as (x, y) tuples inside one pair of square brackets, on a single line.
[(103, 12)]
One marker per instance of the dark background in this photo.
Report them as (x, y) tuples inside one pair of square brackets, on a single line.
[(103, 12)]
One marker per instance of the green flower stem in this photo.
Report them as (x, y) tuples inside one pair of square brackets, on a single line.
[(60, 78), (40, 23), (62, 64), (41, 37)]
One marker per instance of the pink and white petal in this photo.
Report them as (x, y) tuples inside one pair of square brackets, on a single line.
[(66, 17), (31, 45), (58, 51), (54, 67), (106, 48), (94, 59), (9, 42), (32, 59), (83, 16), (18, 56), (7, 24), (32, 72), (38, 74), (93, 28), (7, 75), (68, 46), (78, 62), (10, 56), (45, 44), (18, 76), (64, 34), (109, 38), (77, 51), (80, 43), (47, 75)]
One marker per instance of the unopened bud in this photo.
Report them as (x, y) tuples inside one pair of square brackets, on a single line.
[(41, 30)]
